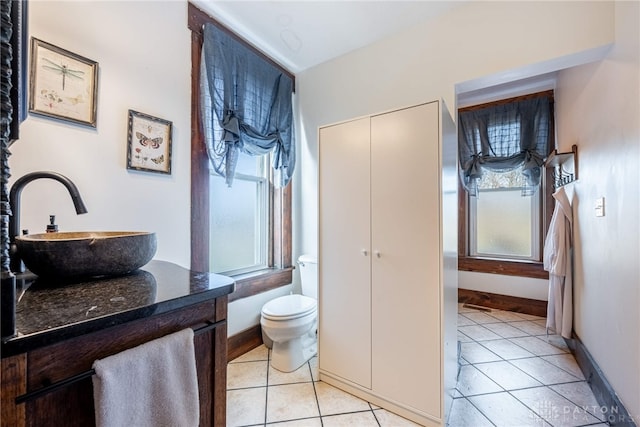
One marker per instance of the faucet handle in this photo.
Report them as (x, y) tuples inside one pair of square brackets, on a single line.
[(52, 227)]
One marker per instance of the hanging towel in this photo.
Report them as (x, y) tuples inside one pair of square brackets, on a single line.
[(557, 261), (154, 384)]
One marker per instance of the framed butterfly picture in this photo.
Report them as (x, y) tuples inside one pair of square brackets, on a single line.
[(148, 143)]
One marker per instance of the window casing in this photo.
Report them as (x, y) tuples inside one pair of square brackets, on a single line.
[(279, 267), (477, 251)]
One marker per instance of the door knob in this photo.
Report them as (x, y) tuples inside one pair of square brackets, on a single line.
[(377, 254), (364, 252)]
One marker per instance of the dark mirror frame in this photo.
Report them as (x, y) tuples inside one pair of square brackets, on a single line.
[(13, 43), (19, 42)]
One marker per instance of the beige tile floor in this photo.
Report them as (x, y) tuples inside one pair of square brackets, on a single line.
[(512, 374)]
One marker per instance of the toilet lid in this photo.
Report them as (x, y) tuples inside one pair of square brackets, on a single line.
[(289, 306)]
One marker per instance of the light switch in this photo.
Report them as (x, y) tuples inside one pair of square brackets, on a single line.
[(600, 206)]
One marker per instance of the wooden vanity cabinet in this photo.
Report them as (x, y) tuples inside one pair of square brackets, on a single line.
[(72, 405)]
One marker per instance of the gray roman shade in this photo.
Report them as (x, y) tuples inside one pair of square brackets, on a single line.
[(504, 137), (246, 107)]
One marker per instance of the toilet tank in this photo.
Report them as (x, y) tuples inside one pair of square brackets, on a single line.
[(308, 265)]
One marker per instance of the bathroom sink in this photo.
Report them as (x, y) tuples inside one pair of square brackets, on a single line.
[(84, 254)]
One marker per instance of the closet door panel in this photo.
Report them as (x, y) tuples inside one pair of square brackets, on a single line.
[(405, 245), (344, 251)]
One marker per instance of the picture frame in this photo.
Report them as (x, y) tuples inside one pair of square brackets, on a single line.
[(62, 85), (149, 143)]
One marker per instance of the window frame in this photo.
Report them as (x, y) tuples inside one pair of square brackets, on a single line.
[(521, 268), (280, 270), (536, 244), (262, 180)]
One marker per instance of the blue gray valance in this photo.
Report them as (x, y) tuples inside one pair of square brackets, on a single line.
[(246, 107), (503, 137)]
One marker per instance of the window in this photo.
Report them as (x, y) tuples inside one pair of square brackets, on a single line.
[(240, 218), (497, 232), (503, 216), (263, 259)]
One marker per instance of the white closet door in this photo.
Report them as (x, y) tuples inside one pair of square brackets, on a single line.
[(344, 260), (405, 201)]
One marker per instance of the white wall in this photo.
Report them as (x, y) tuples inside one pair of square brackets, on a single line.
[(522, 287), (476, 45), (599, 110), (144, 56)]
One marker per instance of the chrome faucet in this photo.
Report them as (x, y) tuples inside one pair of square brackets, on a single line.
[(14, 203)]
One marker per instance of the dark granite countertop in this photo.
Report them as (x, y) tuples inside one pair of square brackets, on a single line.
[(47, 313)]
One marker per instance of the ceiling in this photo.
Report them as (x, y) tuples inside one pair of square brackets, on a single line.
[(299, 34)]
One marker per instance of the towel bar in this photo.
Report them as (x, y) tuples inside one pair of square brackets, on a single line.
[(87, 374)]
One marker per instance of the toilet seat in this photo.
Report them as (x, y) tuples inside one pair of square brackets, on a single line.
[(289, 307)]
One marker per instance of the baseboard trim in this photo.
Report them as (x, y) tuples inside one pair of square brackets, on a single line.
[(610, 405), (503, 302), (244, 342)]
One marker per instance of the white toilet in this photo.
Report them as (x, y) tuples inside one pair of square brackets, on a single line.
[(289, 322)]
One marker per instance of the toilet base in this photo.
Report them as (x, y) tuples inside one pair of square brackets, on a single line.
[(290, 355), (268, 342)]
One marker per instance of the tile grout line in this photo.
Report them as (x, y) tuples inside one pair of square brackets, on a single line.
[(552, 364), (585, 409), (529, 408), (315, 392), (480, 411), (568, 400), (266, 394), (374, 414), (508, 360), (489, 378), (546, 423)]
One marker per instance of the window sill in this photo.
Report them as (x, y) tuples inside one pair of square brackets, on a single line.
[(260, 281), (508, 268)]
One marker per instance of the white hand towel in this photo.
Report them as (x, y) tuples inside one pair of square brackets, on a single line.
[(153, 385)]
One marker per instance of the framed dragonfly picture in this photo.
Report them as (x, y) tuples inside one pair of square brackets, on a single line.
[(62, 84), (148, 143)]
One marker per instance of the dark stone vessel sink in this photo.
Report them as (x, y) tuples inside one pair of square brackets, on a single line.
[(84, 254)]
